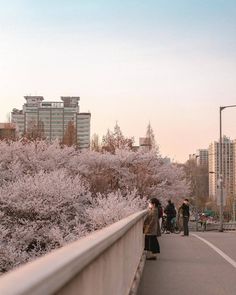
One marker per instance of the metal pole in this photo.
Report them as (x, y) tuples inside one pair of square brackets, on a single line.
[(196, 219), (221, 174), (234, 209)]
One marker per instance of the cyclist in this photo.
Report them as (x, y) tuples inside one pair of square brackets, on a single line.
[(170, 214)]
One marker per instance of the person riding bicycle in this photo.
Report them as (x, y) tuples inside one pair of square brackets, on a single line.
[(171, 214), (203, 221)]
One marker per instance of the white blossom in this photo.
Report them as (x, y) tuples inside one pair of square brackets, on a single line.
[(51, 195)]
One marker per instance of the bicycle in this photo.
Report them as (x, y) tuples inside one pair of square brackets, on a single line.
[(175, 228)]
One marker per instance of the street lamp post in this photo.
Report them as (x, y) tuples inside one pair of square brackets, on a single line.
[(221, 178), (220, 174), (234, 209)]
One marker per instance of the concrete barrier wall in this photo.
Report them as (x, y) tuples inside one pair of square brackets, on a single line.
[(102, 263)]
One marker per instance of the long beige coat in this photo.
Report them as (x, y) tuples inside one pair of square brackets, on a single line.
[(151, 226)]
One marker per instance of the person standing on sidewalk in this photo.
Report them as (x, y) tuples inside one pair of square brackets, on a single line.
[(170, 213), (184, 209), (160, 212), (151, 229)]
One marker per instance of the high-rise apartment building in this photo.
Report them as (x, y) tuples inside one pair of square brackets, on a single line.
[(227, 167), (234, 163), (201, 157), (53, 119)]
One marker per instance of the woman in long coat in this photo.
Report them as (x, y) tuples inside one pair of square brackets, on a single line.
[(151, 229)]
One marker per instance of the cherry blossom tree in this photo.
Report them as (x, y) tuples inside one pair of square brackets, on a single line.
[(52, 194), (40, 213), (107, 209)]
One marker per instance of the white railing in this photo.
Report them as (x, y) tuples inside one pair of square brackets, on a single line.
[(212, 226), (103, 263), (226, 226)]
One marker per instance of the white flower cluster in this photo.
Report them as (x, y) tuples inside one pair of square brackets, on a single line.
[(51, 194)]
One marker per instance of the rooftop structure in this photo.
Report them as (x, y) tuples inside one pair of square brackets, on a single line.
[(54, 119)]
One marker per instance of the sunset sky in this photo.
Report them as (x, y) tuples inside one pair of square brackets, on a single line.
[(170, 62)]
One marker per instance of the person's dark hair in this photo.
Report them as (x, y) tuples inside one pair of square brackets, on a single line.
[(154, 201), (169, 201), (186, 200)]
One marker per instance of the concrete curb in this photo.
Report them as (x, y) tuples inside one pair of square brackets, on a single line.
[(138, 275)]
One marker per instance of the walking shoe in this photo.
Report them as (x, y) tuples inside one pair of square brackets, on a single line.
[(151, 258)]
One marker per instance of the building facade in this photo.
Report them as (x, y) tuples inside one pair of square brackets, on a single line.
[(53, 120), (201, 157), (145, 144), (228, 170), (7, 131)]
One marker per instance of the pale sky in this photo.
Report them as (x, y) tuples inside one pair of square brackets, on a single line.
[(170, 62)]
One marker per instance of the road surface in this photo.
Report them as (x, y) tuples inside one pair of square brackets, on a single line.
[(202, 264)]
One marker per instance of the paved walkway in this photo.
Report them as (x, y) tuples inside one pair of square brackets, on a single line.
[(189, 266)]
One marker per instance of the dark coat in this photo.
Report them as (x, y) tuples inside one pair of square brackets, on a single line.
[(170, 210), (160, 211), (184, 209), (151, 224)]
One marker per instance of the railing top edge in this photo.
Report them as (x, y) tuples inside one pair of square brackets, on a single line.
[(59, 266)]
